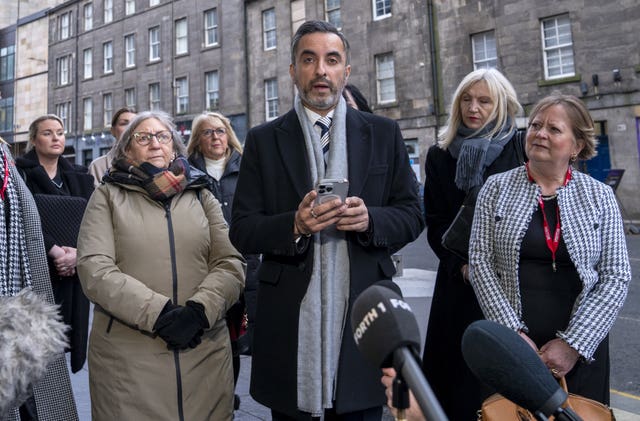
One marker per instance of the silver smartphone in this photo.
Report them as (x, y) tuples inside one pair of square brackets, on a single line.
[(331, 189)]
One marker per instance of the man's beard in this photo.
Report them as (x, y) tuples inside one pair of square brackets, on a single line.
[(323, 103)]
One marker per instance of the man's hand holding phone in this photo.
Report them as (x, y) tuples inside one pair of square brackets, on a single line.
[(311, 217), (328, 204)]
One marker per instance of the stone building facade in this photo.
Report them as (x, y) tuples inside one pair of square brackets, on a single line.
[(161, 55), (575, 47), (186, 56)]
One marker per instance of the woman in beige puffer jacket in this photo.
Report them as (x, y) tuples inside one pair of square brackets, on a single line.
[(147, 252)]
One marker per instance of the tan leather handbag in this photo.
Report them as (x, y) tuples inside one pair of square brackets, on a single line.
[(498, 408)]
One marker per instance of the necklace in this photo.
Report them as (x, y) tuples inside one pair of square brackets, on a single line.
[(549, 197), (58, 185)]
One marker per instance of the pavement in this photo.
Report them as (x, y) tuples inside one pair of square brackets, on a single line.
[(417, 287)]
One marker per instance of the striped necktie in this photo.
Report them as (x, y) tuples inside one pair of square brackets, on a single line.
[(324, 123)]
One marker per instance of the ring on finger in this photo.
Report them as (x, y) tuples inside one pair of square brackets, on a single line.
[(555, 371), (313, 214)]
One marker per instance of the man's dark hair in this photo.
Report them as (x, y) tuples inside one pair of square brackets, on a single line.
[(313, 26)]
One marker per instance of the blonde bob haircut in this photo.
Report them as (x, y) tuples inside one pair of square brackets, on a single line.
[(580, 119), (502, 94), (33, 128), (213, 119)]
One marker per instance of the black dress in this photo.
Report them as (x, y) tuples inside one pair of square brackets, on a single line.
[(454, 305), (548, 298)]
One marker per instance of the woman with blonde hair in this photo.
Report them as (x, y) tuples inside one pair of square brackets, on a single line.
[(215, 150), (479, 139), (56, 182)]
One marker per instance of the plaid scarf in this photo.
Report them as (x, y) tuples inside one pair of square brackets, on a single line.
[(161, 184), (15, 273)]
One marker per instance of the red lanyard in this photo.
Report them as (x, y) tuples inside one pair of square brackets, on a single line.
[(5, 179), (552, 242)]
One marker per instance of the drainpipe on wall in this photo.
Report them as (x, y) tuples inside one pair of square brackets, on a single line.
[(434, 65), (76, 142), (247, 99)]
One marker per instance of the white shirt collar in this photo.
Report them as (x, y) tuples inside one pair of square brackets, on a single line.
[(313, 116)]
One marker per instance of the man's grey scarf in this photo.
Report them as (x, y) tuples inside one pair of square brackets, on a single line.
[(475, 154), (14, 263), (323, 309)]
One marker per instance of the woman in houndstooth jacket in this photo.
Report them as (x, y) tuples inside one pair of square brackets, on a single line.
[(548, 255)]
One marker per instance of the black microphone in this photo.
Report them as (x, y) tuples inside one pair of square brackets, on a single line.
[(386, 333), (502, 359)]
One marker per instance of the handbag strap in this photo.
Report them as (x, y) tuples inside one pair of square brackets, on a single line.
[(519, 139)]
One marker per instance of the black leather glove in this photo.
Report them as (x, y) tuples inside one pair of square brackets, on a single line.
[(182, 327)]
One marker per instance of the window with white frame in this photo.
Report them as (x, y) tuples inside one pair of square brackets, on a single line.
[(129, 7), (211, 27), (107, 109), (332, 13), (212, 89), (381, 9), (88, 16), (154, 43), (484, 50), (271, 98), (130, 97), (63, 70), (108, 11), (87, 107), (7, 62), (269, 28), (557, 47), (87, 58), (6, 114), (182, 95), (65, 25), (63, 110), (182, 43), (154, 97), (107, 54), (154, 3), (130, 50), (385, 78)]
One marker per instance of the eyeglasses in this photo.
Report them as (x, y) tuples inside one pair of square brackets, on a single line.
[(144, 138), (209, 132)]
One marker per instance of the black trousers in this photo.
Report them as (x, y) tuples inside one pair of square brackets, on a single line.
[(370, 414)]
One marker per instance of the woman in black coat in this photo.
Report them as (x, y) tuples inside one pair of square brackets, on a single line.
[(46, 172), (479, 140), (215, 150)]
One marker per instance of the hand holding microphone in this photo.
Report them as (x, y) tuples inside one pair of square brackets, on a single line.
[(386, 332)]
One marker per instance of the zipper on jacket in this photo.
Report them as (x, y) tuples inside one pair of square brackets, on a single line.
[(110, 324), (174, 276)]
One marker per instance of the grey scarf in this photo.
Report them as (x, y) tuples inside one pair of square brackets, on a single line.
[(475, 154), (323, 309), (14, 263)]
